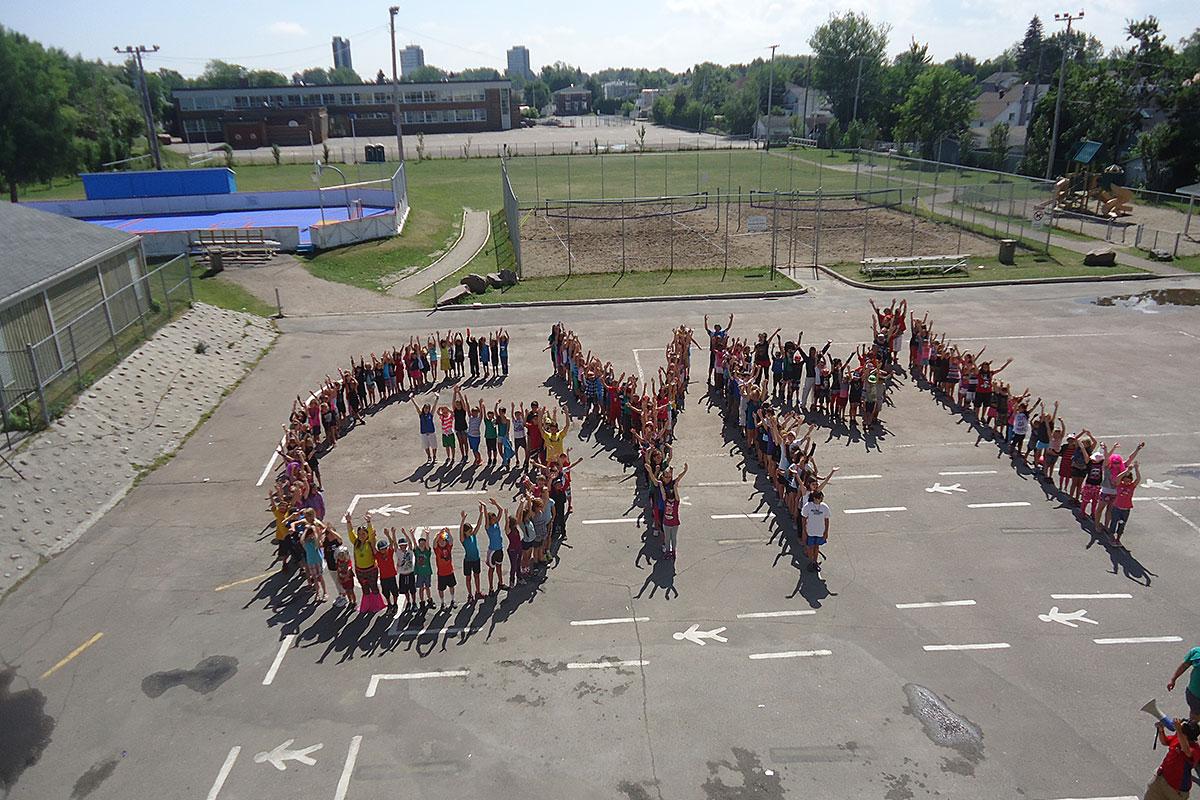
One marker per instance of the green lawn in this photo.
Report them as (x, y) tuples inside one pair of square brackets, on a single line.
[(634, 284), (217, 291), (1059, 263), (1190, 263)]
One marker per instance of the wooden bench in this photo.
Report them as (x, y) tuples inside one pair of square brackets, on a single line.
[(249, 246), (916, 265)]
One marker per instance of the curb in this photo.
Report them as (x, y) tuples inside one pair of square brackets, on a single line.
[(462, 231), (614, 300), (1124, 276)]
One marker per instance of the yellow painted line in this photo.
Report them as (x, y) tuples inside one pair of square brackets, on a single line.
[(243, 580), (71, 655)]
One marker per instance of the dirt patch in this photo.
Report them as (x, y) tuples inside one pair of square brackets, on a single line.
[(693, 235)]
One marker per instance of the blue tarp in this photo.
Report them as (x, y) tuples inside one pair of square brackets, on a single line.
[(158, 183)]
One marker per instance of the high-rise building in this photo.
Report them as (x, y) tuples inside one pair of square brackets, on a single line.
[(411, 57), (341, 53), (518, 62)]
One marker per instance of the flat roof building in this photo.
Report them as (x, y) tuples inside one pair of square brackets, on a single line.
[(411, 57), (518, 62), (572, 101), (286, 115), (341, 53)]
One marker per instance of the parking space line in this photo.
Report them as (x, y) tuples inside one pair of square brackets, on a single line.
[(373, 686), (611, 621), (936, 648), (283, 648), (415, 633), (970, 472), (456, 491), (605, 664), (223, 774), (936, 604), (998, 505), (752, 515), (610, 521), (64, 661), (798, 612), (723, 483), (1098, 596), (873, 510), (274, 456), (743, 540), (1139, 640), (225, 586), (854, 477), (790, 654), (343, 784), (1157, 498), (1114, 797), (1180, 517)]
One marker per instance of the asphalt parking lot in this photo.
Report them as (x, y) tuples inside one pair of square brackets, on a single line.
[(916, 664)]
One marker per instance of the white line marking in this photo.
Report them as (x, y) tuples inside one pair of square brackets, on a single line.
[(1114, 797), (224, 772), (755, 515), (605, 664), (638, 362), (413, 676), (997, 505), (791, 654), (936, 604), (354, 503), (1176, 497), (1180, 517), (610, 521), (799, 612), (457, 491), (854, 477), (414, 633), (1188, 465), (283, 648), (931, 648), (612, 621), (343, 784), (1033, 336), (873, 510), (1192, 335), (744, 540), (723, 483), (270, 464), (1145, 435), (1101, 596), (1139, 640), (971, 472)]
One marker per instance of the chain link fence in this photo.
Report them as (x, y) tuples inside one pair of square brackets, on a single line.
[(38, 381)]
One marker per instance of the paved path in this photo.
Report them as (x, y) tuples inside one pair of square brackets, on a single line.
[(89, 458), (476, 229), (304, 294)]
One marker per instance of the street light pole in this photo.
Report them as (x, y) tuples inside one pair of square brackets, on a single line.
[(857, 86), (770, 91), (1062, 74), (396, 83), (147, 109)]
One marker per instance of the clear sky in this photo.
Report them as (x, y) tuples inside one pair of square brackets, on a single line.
[(289, 36)]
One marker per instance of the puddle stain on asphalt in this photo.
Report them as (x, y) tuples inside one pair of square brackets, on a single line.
[(536, 666), (89, 781), (635, 791), (745, 779), (26, 731), (1150, 301), (945, 728), (204, 678)]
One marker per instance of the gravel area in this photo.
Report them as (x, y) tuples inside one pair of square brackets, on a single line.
[(144, 408)]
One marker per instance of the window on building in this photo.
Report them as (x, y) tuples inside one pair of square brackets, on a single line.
[(328, 99), (241, 101), (348, 99), (504, 102)]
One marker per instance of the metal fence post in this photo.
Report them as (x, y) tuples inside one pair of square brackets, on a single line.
[(817, 234), (37, 382), (166, 294), (191, 287), (74, 356), (912, 245)]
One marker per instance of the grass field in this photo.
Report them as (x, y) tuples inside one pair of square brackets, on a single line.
[(217, 291), (634, 284), (1058, 263)]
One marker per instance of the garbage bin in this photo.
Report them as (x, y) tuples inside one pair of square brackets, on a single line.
[(1008, 251)]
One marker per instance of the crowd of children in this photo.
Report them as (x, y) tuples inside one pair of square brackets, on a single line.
[(643, 415), (1090, 474)]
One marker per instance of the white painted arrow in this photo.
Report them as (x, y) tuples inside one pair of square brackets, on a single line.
[(697, 636), (1167, 484), (950, 489), (387, 510), (1067, 618), (281, 753), (685, 500)]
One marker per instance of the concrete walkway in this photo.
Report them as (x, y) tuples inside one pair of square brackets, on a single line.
[(304, 294), (476, 230)]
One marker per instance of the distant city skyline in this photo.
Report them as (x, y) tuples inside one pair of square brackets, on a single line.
[(675, 34)]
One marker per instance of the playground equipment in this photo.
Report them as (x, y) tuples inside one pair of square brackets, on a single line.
[(1086, 191)]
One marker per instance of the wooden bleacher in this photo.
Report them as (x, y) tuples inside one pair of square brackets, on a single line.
[(242, 246), (915, 265)]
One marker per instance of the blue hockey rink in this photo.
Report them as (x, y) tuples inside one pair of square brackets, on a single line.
[(302, 218)]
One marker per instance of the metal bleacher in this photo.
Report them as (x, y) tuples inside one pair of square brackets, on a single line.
[(241, 246), (914, 265)]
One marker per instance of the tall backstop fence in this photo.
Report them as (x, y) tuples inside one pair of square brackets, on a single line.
[(38, 379), (512, 218)]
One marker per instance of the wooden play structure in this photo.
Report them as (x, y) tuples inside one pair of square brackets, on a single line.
[(1085, 190)]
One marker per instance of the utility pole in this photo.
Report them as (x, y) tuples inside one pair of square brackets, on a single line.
[(147, 109), (392, 12), (807, 81), (857, 86), (1068, 18), (770, 91)]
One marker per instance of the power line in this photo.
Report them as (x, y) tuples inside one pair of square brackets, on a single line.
[(147, 109)]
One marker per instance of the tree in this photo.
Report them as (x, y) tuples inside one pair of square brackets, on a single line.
[(842, 45), (560, 75), (426, 73), (343, 75), (258, 78), (537, 94), (219, 73), (480, 74), (963, 64), (998, 144), (897, 80), (1189, 51), (939, 105), (741, 110), (36, 123), (1152, 147), (1030, 48), (833, 134), (315, 76), (108, 112)]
